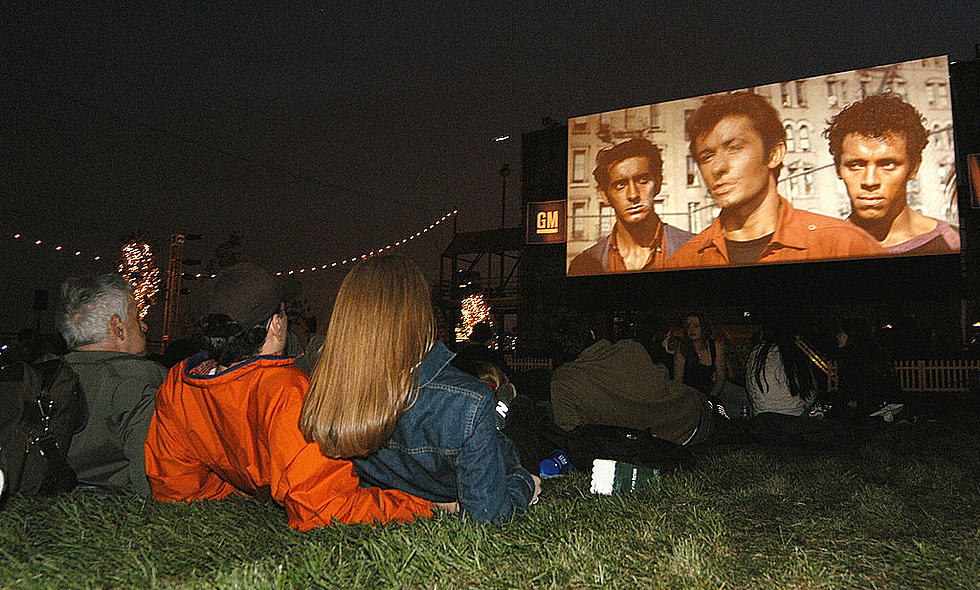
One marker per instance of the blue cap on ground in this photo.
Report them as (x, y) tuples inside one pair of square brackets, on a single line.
[(555, 464)]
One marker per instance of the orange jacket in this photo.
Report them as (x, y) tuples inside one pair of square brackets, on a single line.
[(238, 432)]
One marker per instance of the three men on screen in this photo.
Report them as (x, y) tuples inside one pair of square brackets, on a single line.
[(629, 176), (739, 142), (877, 146)]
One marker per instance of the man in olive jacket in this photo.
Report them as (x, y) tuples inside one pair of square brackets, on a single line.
[(102, 327)]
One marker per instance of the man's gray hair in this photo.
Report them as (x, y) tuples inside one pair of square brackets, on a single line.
[(89, 304)]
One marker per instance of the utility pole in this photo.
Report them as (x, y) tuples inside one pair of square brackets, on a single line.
[(175, 272)]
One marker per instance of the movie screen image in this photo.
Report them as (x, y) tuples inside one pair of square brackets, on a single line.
[(852, 165)]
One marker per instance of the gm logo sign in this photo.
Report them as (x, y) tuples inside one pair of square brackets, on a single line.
[(546, 222)]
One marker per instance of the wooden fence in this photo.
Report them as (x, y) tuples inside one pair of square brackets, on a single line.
[(526, 363), (930, 376), (954, 375)]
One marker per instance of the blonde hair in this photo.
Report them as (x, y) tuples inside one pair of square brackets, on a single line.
[(381, 328)]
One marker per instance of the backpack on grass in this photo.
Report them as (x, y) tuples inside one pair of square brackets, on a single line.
[(589, 442), (41, 408)]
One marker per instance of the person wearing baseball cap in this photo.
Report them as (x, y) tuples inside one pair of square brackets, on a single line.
[(226, 419)]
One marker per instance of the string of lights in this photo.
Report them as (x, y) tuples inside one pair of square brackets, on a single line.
[(57, 246), (60, 247), (367, 255)]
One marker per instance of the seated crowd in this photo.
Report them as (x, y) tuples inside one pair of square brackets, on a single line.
[(390, 423)]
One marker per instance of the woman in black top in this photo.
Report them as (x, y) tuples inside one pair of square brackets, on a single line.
[(700, 361)]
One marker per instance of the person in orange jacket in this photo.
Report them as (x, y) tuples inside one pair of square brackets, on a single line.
[(226, 420)]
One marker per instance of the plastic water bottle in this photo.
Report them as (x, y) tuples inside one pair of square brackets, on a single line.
[(557, 463)]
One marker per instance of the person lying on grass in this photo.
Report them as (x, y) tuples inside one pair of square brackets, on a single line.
[(384, 393), (226, 419)]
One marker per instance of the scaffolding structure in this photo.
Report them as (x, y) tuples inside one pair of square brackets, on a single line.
[(175, 271)]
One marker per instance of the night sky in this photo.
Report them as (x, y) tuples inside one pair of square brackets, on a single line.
[(320, 133)]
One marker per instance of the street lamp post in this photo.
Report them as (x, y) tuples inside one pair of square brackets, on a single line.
[(504, 173)]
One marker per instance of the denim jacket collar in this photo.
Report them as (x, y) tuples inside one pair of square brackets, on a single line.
[(434, 362), (446, 447)]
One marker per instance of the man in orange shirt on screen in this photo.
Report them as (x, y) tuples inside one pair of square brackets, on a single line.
[(738, 143)]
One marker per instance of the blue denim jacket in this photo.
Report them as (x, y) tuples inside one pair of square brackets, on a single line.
[(446, 447)]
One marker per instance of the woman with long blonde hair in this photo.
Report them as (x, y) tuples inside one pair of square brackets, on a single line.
[(384, 394)]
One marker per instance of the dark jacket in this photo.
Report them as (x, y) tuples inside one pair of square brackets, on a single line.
[(120, 391), (446, 447)]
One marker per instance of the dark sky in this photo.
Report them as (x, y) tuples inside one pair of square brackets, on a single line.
[(320, 133)]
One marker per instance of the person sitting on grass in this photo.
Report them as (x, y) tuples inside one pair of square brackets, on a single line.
[(778, 375), (107, 338), (700, 362), (477, 348), (384, 392), (226, 419), (619, 385), (783, 389), (866, 374)]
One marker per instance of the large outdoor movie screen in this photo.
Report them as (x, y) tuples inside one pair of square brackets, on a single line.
[(852, 165)]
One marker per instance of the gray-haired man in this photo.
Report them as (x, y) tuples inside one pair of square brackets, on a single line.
[(103, 330)]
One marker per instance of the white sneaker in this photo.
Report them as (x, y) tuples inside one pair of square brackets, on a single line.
[(887, 412)]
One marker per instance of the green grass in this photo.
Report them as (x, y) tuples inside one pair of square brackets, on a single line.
[(900, 509)]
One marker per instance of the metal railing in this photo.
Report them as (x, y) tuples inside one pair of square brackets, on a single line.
[(490, 287)]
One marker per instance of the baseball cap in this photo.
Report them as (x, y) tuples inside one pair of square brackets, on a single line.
[(246, 294)]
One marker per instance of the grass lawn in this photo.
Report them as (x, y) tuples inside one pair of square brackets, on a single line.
[(898, 509)]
